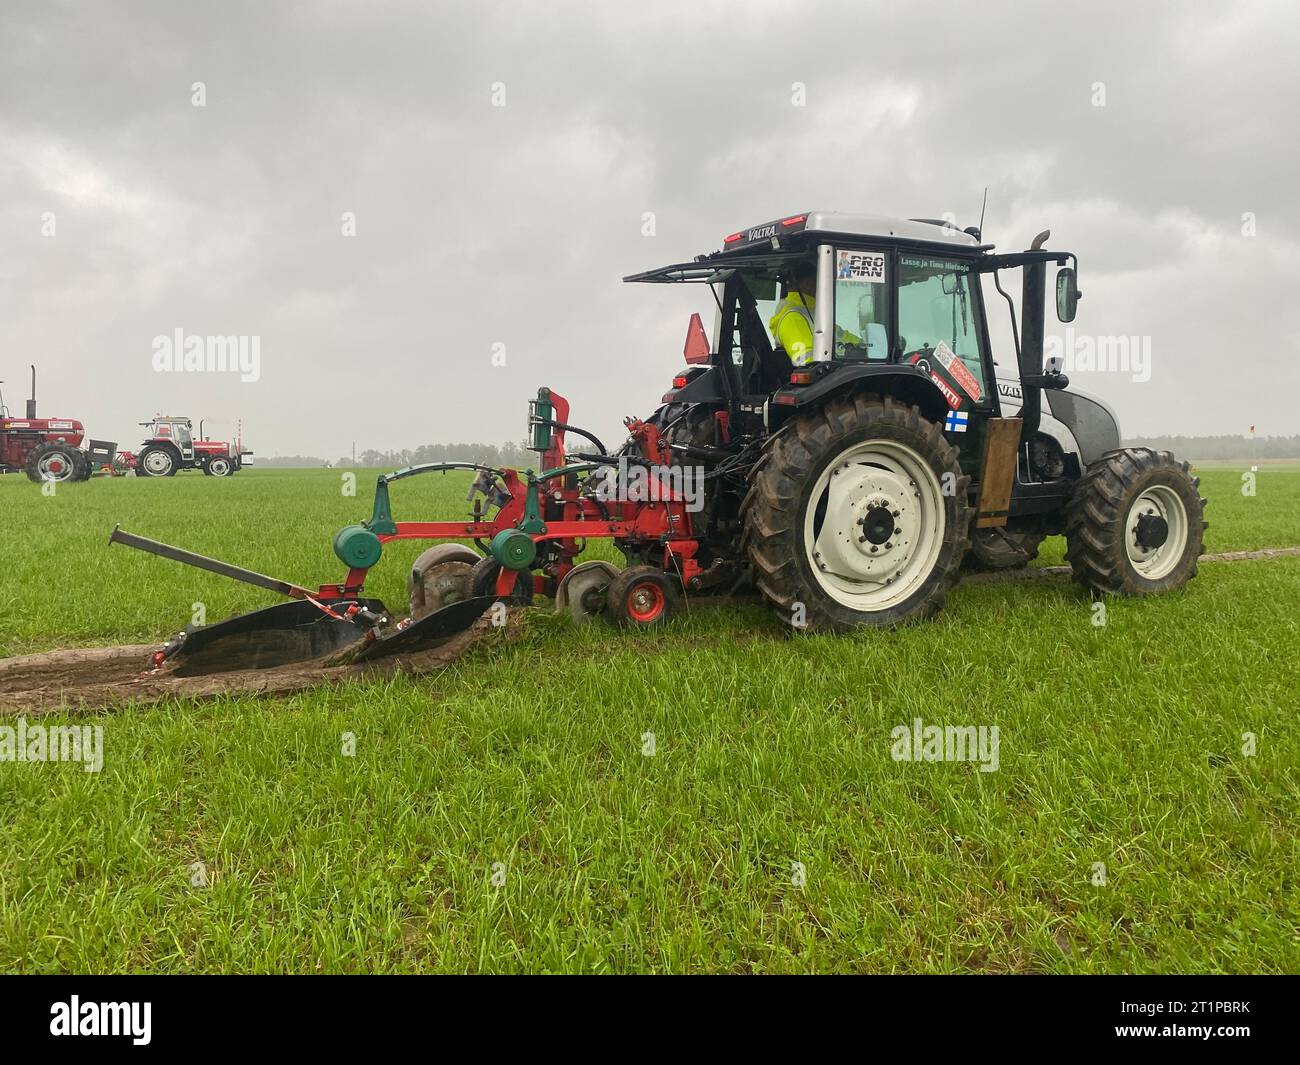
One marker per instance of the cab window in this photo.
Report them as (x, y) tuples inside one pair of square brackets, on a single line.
[(936, 323), (861, 305)]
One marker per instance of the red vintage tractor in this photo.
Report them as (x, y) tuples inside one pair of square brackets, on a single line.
[(49, 449), (171, 446)]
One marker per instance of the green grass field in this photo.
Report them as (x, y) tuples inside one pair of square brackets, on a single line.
[(501, 816)]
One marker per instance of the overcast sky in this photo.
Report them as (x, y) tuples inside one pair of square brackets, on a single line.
[(480, 225)]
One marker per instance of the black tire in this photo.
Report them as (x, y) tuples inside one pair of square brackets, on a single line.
[(776, 512), (641, 597), (82, 462), (54, 462), (483, 581), (1104, 514), (1001, 548), (156, 454), (219, 466)]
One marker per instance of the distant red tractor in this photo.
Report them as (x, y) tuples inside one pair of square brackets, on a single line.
[(49, 449), (171, 447)]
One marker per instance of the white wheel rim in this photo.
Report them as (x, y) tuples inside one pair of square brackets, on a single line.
[(865, 483), (1155, 562), (157, 462), (54, 467), (219, 467)]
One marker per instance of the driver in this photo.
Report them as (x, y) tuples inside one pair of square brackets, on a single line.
[(792, 324)]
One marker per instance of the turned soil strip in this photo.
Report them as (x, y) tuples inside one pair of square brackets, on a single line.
[(92, 678), (103, 677)]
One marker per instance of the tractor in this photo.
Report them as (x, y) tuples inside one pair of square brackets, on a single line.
[(847, 482), (49, 449), (171, 446)]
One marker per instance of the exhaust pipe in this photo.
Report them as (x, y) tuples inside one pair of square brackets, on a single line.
[(1032, 295), (31, 403)]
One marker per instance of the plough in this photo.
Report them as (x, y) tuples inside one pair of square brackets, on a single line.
[(530, 528)]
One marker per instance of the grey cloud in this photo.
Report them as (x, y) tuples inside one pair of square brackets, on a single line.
[(479, 225)]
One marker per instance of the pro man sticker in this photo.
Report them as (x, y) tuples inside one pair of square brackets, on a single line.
[(860, 267)]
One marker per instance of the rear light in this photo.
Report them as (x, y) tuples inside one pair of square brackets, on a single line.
[(680, 381), (784, 399), (795, 220), (801, 377), (731, 239)]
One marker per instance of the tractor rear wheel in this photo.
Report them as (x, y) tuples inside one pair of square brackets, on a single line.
[(994, 549), (156, 462), (55, 462), (1135, 524), (857, 515)]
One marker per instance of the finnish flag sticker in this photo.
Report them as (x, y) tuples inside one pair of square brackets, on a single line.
[(956, 421)]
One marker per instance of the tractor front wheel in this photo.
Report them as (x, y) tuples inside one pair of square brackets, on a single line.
[(857, 515), (1135, 524), (219, 467)]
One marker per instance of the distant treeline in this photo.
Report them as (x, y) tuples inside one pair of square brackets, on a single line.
[(1205, 448), (486, 454), (516, 454)]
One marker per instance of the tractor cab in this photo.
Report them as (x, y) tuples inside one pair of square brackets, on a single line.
[(822, 305), (176, 431), (855, 296)]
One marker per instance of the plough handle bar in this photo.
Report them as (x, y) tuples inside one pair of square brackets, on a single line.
[(212, 565)]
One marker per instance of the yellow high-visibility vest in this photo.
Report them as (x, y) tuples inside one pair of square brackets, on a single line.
[(792, 325)]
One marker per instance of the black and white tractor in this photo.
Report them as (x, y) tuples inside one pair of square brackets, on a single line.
[(853, 481)]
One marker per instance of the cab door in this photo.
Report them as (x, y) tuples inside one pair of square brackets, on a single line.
[(941, 330), (184, 441)]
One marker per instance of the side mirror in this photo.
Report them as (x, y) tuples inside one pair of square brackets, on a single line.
[(1067, 294)]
